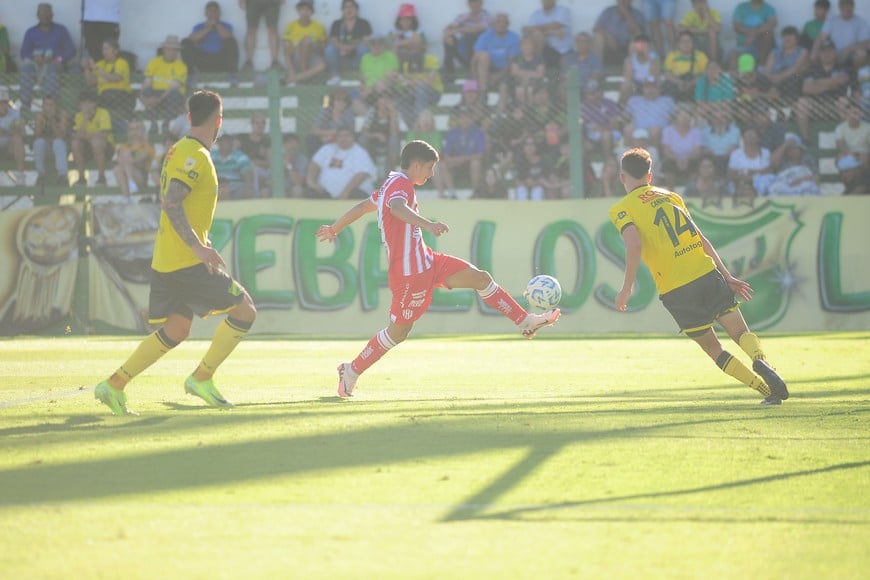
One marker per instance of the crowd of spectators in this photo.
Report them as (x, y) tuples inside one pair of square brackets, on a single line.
[(724, 119)]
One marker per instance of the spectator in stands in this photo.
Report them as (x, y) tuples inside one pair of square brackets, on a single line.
[(713, 90), (853, 135), (165, 85), (380, 133), (135, 158), (797, 173), (157, 167), (532, 172), (755, 23), (682, 146), (771, 133), (255, 10), (602, 120), (506, 134), (641, 63), (785, 67), (854, 175), (705, 24), (92, 138), (682, 69), (304, 39), (547, 120), (849, 32), (379, 69), (347, 41), (424, 129), (464, 151), (751, 88), (559, 183), (720, 137), (12, 134), (812, 28), (336, 114), (659, 15), (493, 186), (493, 52), (706, 184), (822, 87), (550, 30), (341, 170), (587, 64), (744, 164), (51, 130), (614, 29), (295, 166), (256, 146), (211, 46), (234, 172), (111, 76), (475, 100), (101, 20), (46, 51), (7, 63), (527, 70), (650, 110), (461, 34), (419, 90), (407, 41)]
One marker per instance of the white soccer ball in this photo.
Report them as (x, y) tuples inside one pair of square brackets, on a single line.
[(543, 292)]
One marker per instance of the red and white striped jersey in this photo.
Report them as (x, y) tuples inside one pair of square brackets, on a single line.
[(407, 253)]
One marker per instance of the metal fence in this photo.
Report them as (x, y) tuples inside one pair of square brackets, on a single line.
[(547, 139)]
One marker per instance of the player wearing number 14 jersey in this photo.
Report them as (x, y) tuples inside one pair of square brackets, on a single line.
[(693, 283), (414, 269)]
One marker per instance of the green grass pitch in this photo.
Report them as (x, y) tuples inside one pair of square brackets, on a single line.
[(459, 457)]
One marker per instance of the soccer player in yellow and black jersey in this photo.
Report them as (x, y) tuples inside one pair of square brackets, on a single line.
[(187, 274), (693, 283)]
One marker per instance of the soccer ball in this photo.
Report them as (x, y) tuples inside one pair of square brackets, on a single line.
[(543, 292)]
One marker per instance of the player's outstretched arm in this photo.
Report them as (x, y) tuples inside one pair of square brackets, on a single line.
[(738, 286), (327, 233), (399, 208), (633, 246)]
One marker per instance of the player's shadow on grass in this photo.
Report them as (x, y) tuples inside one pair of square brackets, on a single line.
[(473, 509), (220, 462), (79, 424)]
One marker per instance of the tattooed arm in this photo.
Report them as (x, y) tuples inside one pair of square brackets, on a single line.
[(174, 208)]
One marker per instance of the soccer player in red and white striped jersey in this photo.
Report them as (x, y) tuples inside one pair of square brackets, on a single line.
[(415, 270)]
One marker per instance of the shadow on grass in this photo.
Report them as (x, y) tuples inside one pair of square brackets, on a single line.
[(473, 509), (214, 464)]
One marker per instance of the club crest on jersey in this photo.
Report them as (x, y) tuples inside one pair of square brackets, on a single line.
[(189, 163)]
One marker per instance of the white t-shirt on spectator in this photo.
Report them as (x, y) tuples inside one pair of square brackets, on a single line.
[(740, 162), (338, 166), (857, 139)]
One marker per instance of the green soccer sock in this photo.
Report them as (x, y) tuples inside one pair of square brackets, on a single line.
[(735, 368)]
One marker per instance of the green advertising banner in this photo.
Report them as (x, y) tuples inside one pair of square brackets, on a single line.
[(806, 257)]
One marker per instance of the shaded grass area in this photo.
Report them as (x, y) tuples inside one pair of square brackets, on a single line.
[(461, 457)]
